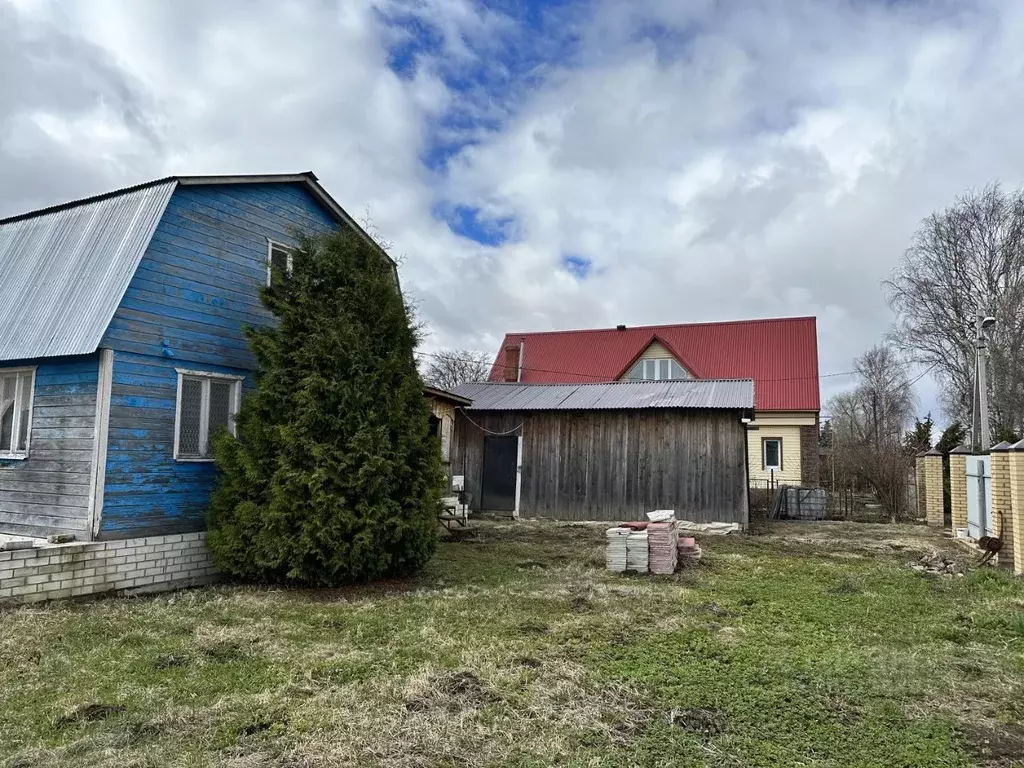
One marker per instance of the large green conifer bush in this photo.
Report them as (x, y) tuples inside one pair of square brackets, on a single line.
[(333, 477)]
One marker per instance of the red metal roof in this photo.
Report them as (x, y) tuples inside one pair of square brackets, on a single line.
[(779, 354)]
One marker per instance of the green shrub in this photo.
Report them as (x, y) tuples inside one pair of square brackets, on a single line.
[(334, 477)]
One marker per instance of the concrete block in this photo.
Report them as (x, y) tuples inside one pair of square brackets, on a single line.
[(12, 545)]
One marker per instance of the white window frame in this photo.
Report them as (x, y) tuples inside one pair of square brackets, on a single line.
[(656, 364), (271, 245), (16, 425), (204, 409), (764, 454)]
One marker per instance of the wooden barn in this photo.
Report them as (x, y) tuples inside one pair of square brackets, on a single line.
[(607, 451)]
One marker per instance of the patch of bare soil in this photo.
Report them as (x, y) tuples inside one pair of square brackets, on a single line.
[(858, 538), (454, 691), (703, 722), (999, 747), (88, 713)]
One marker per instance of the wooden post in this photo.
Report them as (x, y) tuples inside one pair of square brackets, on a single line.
[(958, 485), (934, 492), (1016, 463)]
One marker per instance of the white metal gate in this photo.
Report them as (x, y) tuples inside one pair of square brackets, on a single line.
[(979, 496)]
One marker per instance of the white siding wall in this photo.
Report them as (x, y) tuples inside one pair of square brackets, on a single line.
[(790, 437)]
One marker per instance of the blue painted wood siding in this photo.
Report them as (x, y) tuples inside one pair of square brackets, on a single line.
[(49, 491), (197, 289)]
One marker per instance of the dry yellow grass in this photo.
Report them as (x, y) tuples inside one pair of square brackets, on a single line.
[(811, 645)]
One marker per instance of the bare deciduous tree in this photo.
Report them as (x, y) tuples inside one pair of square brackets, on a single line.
[(448, 368), (967, 257), (868, 425)]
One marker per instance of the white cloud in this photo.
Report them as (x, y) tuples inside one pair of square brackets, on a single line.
[(713, 160)]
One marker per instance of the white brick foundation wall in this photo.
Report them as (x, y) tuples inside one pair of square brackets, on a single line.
[(130, 566)]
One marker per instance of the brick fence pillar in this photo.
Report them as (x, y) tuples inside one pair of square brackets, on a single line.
[(1002, 515), (933, 490), (810, 456), (1016, 463), (958, 485), (919, 486)]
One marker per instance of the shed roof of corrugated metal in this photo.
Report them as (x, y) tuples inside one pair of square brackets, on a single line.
[(780, 354), (65, 268), (689, 394)]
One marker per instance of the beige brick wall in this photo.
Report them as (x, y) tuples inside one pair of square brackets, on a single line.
[(933, 489), (1002, 514), (919, 488), (1017, 507), (958, 489), (150, 564)]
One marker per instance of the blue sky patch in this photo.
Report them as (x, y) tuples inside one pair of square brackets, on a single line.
[(576, 265), (492, 81), (466, 221)]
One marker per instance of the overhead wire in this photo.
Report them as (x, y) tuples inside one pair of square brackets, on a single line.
[(602, 378)]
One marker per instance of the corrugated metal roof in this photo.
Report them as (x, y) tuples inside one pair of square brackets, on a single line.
[(732, 394), (64, 269), (63, 273), (780, 354)]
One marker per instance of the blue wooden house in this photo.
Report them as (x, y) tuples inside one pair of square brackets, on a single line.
[(122, 345)]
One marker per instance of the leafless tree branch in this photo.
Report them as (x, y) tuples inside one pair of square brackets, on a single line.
[(966, 257), (449, 368)]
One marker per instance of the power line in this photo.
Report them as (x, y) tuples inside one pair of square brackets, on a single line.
[(602, 378)]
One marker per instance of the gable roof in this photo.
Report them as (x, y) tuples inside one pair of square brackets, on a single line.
[(687, 394), (779, 354), (65, 268)]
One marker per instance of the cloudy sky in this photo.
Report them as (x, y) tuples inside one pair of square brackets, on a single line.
[(548, 165)]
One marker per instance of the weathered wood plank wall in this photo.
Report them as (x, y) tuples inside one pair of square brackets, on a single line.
[(197, 287), (617, 465), (49, 491)]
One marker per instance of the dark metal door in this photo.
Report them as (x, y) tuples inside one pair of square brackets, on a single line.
[(499, 482)]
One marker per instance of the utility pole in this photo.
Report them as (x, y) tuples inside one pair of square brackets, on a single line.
[(980, 426)]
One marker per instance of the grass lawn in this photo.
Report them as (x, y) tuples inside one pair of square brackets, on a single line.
[(812, 645)]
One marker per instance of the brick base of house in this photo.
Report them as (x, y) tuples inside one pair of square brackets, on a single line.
[(129, 566)]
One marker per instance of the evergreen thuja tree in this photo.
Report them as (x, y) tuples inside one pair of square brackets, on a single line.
[(334, 477)]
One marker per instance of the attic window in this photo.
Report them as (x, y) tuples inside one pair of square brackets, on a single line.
[(16, 385), (279, 260), (660, 369)]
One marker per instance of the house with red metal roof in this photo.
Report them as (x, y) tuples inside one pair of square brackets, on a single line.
[(779, 354)]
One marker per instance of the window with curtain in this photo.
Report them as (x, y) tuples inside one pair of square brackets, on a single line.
[(15, 412), (206, 403), (660, 369)]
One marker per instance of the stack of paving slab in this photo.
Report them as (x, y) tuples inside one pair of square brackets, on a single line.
[(689, 550), (663, 542), (637, 554), (615, 549)]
